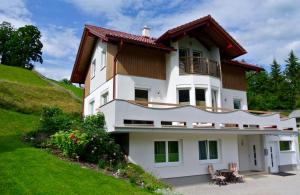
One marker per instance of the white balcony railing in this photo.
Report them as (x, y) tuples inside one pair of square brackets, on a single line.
[(124, 114)]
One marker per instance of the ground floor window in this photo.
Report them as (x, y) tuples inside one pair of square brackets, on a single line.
[(166, 151), (200, 97), (285, 145), (91, 107), (237, 104), (208, 150)]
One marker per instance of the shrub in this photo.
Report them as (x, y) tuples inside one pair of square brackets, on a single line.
[(137, 175), (71, 143), (54, 120), (94, 123)]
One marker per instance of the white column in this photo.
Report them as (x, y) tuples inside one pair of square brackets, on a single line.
[(208, 99), (192, 96), (219, 98)]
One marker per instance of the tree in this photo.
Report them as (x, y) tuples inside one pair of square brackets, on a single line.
[(22, 46), (6, 31)]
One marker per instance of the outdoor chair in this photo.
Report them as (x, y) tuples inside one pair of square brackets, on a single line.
[(216, 178), (235, 173)]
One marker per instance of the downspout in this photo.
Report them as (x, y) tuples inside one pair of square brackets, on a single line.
[(115, 68)]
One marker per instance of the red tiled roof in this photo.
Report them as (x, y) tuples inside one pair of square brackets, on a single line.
[(107, 34)]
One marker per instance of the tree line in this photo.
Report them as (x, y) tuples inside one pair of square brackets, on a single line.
[(278, 89), (20, 46)]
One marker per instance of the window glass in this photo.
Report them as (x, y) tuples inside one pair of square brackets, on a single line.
[(141, 95), (236, 104), (104, 98), (173, 152), (184, 96), (200, 97), (214, 98), (213, 149), (203, 150), (93, 68), (285, 145), (160, 151), (92, 107), (103, 59)]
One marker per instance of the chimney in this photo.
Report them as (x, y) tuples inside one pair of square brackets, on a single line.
[(146, 31)]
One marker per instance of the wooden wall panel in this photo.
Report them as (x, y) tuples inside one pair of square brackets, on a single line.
[(111, 53), (234, 77), (140, 61), (87, 83)]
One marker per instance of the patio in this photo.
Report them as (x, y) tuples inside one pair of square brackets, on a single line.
[(255, 184)]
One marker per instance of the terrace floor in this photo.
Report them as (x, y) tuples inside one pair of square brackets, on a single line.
[(257, 184)]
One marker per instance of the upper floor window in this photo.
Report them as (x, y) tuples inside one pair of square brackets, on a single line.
[(93, 71), (184, 96), (237, 104), (200, 97), (141, 95), (103, 59)]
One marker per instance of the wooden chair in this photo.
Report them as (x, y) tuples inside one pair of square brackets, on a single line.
[(218, 179), (235, 173)]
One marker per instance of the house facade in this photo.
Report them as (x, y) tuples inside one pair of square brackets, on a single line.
[(179, 102)]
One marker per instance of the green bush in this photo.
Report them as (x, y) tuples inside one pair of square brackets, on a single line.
[(72, 143), (138, 176), (94, 123), (54, 120)]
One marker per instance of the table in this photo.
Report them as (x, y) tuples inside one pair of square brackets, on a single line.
[(228, 174)]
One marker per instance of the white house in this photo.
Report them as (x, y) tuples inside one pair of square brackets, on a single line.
[(178, 103)]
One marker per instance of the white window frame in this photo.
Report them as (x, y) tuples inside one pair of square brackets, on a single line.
[(103, 59), (102, 98), (207, 154), (162, 164), (93, 68), (91, 108), (291, 146)]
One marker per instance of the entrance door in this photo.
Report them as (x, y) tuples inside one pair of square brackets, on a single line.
[(273, 160)]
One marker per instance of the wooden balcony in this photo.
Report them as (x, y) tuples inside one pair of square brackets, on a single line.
[(198, 65)]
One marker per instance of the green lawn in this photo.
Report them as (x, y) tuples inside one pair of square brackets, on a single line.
[(27, 170), (24, 91), (76, 90)]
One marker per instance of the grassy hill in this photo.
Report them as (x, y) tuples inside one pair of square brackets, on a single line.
[(27, 170), (25, 91)]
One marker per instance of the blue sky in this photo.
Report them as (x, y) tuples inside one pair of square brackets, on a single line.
[(267, 29)]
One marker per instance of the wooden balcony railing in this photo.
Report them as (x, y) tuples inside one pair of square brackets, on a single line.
[(199, 65)]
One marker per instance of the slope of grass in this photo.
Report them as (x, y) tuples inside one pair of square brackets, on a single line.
[(27, 170), (76, 90), (24, 91)]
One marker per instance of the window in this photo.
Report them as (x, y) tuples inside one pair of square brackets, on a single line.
[(91, 107), (104, 98), (93, 72), (285, 145), (208, 150), (214, 98), (141, 95), (166, 151), (103, 59), (237, 104), (184, 96), (183, 59), (200, 97), (196, 57)]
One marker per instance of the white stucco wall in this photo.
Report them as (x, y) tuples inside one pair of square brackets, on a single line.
[(141, 151), (229, 94), (100, 74)]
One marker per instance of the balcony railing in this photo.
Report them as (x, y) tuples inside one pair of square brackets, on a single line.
[(199, 65)]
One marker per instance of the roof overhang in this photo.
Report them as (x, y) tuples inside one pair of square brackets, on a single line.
[(244, 65), (207, 31)]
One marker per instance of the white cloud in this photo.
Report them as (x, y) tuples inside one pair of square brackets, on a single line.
[(15, 12), (266, 29), (59, 41)]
